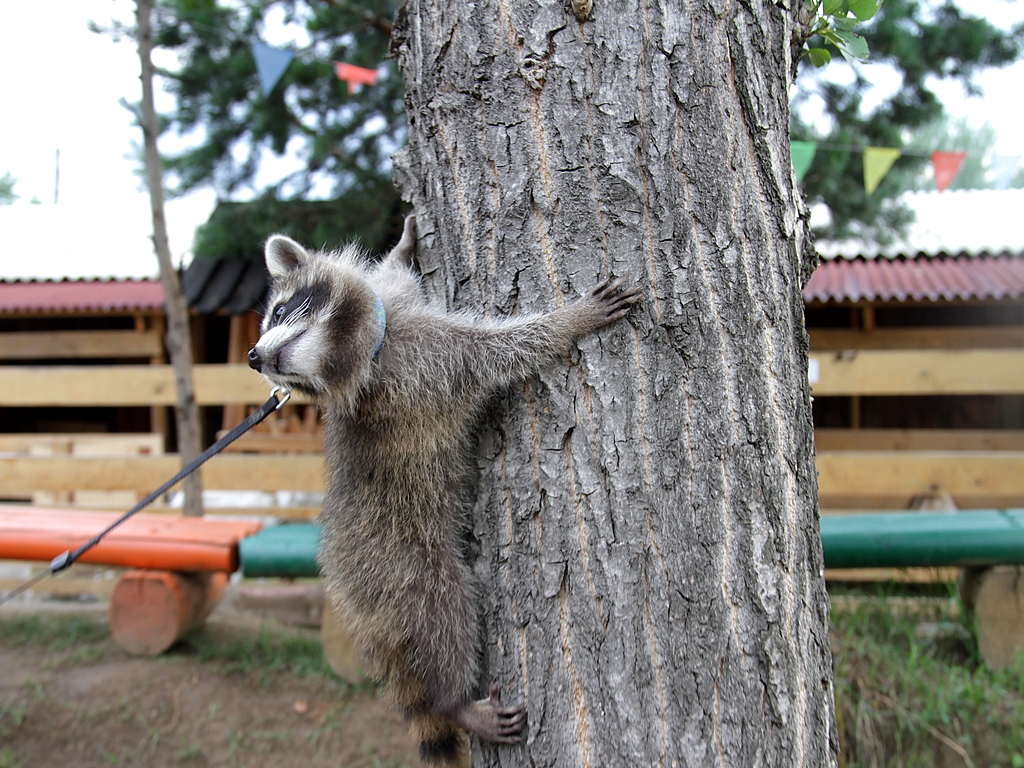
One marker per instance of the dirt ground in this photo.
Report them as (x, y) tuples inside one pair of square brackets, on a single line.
[(241, 692)]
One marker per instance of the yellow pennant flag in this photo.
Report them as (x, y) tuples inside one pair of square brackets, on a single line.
[(877, 162)]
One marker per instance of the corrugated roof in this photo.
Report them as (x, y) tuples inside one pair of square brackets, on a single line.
[(923, 278), (81, 296), (970, 222), (234, 285)]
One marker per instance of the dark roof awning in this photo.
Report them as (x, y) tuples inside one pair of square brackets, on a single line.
[(235, 286)]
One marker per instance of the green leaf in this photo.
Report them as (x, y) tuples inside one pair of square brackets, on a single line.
[(864, 9), (832, 7), (819, 56), (853, 47), (845, 23)]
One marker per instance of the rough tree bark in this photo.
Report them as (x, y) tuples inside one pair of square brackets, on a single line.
[(646, 526), (178, 338)]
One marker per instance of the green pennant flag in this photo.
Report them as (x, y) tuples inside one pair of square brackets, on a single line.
[(803, 154), (877, 162)]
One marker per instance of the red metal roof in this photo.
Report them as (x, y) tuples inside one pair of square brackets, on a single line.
[(81, 296), (934, 279)]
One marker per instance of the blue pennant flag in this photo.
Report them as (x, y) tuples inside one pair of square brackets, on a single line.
[(270, 64)]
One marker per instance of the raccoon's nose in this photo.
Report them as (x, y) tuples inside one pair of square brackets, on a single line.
[(255, 362)]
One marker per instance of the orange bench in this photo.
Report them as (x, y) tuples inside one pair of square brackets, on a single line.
[(180, 565)]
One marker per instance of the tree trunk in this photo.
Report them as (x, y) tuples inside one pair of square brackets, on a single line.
[(178, 339), (646, 526)]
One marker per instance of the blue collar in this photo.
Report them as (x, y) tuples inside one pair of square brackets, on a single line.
[(382, 325)]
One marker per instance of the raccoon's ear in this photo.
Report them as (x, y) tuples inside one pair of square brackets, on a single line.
[(284, 255)]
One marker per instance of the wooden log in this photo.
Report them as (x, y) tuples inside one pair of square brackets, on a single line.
[(150, 610), (301, 604), (339, 650), (995, 598)]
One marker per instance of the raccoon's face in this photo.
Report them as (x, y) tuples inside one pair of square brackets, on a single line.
[(317, 321)]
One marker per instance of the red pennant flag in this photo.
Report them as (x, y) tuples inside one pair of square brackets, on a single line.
[(354, 76), (947, 166)]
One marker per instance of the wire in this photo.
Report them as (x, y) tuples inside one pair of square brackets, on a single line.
[(66, 559)]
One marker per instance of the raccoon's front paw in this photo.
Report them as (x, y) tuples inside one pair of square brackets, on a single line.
[(489, 720), (612, 300)]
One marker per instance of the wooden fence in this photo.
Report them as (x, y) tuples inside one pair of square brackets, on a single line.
[(846, 478), (858, 468)]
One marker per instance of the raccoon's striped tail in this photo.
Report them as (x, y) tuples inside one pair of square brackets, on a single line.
[(442, 744)]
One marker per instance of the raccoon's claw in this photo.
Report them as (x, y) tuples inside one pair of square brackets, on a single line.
[(492, 722), (615, 298), (510, 719)]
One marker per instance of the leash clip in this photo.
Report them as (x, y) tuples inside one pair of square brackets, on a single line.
[(285, 399)]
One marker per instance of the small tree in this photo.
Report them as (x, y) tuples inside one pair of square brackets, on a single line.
[(178, 339), (647, 521)]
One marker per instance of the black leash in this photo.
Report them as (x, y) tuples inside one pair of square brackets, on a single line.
[(66, 559)]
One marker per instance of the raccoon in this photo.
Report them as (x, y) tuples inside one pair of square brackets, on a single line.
[(401, 385)]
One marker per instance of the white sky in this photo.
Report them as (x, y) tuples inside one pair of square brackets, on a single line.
[(60, 86)]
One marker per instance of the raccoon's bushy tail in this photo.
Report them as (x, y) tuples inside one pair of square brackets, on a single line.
[(442, 744)]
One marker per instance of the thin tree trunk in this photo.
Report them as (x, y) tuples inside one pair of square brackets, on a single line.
[(178, 339), (646, 526)]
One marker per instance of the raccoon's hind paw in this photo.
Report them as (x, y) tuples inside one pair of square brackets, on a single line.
[(614, 298), (492, 722), (405, 251)]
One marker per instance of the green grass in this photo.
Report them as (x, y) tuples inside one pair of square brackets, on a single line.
[(267, 651), (61, 632), (903, 701)]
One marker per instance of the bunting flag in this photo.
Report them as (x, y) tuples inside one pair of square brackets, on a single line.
[(1004, 168), (803, 154), (355, 77), (877, 162), (947, 166), (270, 65)]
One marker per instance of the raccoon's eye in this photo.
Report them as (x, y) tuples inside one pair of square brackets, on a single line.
[(279, 312)]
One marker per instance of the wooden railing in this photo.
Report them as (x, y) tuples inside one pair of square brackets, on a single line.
[(917, 372), (871, 372), (870, 468), (879, 479)]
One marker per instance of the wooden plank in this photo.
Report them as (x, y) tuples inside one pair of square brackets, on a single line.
[(869, 372), (287, 442), (998, 474), (903, 575), (144, 541), (41, 345), (982, 337), (144, 473), (912, 372), (297, 513), (918, 440), (63, 586), (126, 385), (84, 443)]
